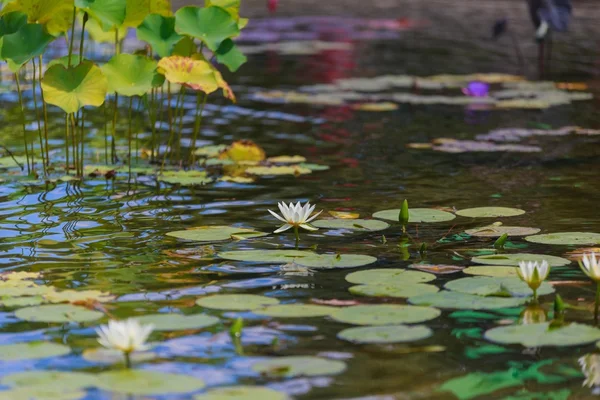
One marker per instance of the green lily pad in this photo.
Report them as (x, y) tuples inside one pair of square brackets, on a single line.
[(300, 257), (34, 393), (159, 32), (236, 302), (185, 178), (21, 301), (537, 335), (496, 286), (111, 356), (389, 276), (514, 259), (215, 233), (143, 382), (176, 322), (385, 334), (497, 230), (59, 313), (296, 311), (385, 314), (242, 393), (314, 167), (360, 225), (131, 75), (417, 215), (277, 170), (566, 238), (211, 25), (32, 350), (458, 300), (393, 290), (490, 212), (492, 270), (63, 380), (294, 366)]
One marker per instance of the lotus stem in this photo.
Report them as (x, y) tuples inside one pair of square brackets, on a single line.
[(535, 296), (114, 129), (82, 140), (129, 132), (597, 302), (72, 38), (152, 114), (127, 355), (199, 112), (85, 19), (44, 108), (170, 118), (297, 235), (105, 134), (67, 142), (73, 143), (180, 129), (37, 116), (23, 121)]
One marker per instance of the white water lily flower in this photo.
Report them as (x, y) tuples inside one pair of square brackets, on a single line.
[(126, 336), (295, 216), (591, 266), (532, 273), (590, 366)]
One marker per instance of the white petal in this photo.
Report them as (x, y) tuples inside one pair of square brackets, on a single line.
[(285, 211), (277, 216), (309, 227), (314, 216), (283, 228)]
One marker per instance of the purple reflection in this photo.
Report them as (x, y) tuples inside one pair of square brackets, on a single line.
[(476, 89)]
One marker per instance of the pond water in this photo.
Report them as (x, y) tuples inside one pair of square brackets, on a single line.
[(110, 235)]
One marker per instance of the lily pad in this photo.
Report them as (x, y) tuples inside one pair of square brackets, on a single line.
[(143, 382), (537, 335), (385, 314), (389, 276), (296, 311), (215, 233), (566, 238), (64, 380), (515, 258), (417, 215), (36, 393), (242, 393), (278, 170), (360, 225), (497, 230), (236, 302), (176, 322), (32, 350), (111, 356), (437, 269), (59, 313), (185, 178), (385, 334), (496, 286), (300, 257), (458, 300), (294, 366), (286, 159), (490, 212), (492, 270), (329, 261), (393, 290)]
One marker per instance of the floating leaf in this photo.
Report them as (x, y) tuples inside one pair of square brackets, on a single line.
[(496, 286), (417, 215), (75, 87), (458, 300), (389, 276), (490, 212), (109, 13), (111, 356), (538, 335), (32, 350), (360, 225), (566, 238), (241, 150), (286, 159), (35, 393), (21, 301), (236, 302), (438, 269), (514, 259), (294, 366), (212, 25), (303, 258), (278, 170), (130, 75), (73, 296), (59, 313), (384, 314), (63, 380), (492, 270), (215, 233), (143, 382), (497, 230), (242, 393), (343, 214), (393, 290), (185, 178), (314, 167), (385, 334), (296, 311), (159, 32), (176, 322), (478, 384), (384, 106)]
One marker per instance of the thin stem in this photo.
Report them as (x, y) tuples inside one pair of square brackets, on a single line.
[(597, 303), (297, 235), (152, 112), (181, 112), (23, 121), (85, 19), (82, 140), (130, 133), (199, 112), (170, 118), (105, 134), (67, 142), (72, 36), (44, 110), (114, 129), (127, 355), (37, 115), (535, 296), (73, 143)]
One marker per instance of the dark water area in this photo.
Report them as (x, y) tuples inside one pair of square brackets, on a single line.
[(110, 234)]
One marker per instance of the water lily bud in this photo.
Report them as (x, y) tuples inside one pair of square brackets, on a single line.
[(499, 244), (404, 214)]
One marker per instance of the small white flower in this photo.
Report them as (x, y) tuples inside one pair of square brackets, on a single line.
[(532, 273), (294, 216), (590, 366), (591, 266), (126, 336)]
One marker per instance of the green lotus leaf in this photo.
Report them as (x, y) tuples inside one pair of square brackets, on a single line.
[(99, 35), (300, 257), (29, 41), (215, 233), (538, 335), (109, 13), (389, 276), (175, 322), (236, 302), (385, 334), (63, 380), (34, 393), (159, 32), (490, 212), (185, 178), (385, 314), (359, 225), (294, 366), (55, 15), (130, 75), (417, 215), (212, 25), (32, 350), (276, 170), (230, 55), (11, 21), (459, 300), (75, 87), (497, 230), (393, 290), (143, 382), (58, 313), (566, 238), (296, 311), (491, 286), (21, 301), (242, 393), (110, 356), (491, 270), (137, 10), (515, 258)]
